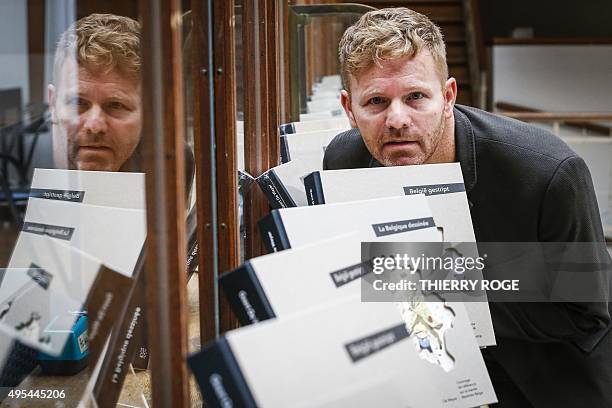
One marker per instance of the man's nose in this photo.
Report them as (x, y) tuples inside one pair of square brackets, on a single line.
[(94, 120), (398, 116)]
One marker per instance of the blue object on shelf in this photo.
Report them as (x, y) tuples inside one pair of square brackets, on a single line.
[(74, 355)]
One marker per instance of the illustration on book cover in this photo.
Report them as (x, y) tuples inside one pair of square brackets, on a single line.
[(427, 323)]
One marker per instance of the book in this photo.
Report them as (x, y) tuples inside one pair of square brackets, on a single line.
[(282, 283), (329, 114), (245, 180), (406, 218), (283, 185), (113, 235), (120, 190), (307, 146), (349, 354), (315, 125), (442, 184), (45, 283), (108, 189), (111, 189), (323, 104)]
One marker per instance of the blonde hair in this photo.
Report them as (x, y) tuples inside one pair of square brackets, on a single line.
[(387, 34), (101, 41)]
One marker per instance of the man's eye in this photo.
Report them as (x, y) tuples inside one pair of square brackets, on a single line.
[(116, 106), (416, 95), (377, 100)]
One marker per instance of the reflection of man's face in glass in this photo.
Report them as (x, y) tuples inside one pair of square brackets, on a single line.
[(96, 118)]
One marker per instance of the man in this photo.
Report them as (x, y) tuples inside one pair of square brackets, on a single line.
[(95, 99), (523, 185)]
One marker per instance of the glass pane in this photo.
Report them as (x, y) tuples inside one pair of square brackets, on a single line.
[(72, 208), (314, 66), (193, 322), (245, 179)]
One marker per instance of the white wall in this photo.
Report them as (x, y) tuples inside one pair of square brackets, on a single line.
[(59, 14), (14, 46), (563, 78), (554, 77)]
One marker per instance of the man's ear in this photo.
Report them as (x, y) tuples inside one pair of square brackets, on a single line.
[(345, 99), (450, 96), (52, 95)]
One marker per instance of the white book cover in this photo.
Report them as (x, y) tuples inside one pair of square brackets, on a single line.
[(323, 104), (282, 283), (325, 95), (108, 189), (308, 146), (403, 219), (329, 82), (301, 277), (283, 185), (318, 125), (331, 114), (420, 355), (113, 235), (45, 283), (443, 186)]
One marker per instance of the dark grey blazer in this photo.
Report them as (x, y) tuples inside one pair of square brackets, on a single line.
[(526, 185)]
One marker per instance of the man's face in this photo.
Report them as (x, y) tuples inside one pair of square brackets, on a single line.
[(404, 111), (96, 117)]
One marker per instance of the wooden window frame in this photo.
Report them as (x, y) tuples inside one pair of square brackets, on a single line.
[(163, 163)]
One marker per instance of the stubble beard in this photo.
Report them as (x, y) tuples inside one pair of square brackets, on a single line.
[(73, 149), (435, 136)]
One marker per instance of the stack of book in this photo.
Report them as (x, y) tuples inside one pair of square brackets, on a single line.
[(312, 337), (77, 259), (75, 223), (312, 333)]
